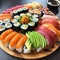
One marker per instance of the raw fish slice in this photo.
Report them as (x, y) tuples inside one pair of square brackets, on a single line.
[(49, 16), (14, 41), (52, 28), (21, 43), (8, 38), (4, 34)]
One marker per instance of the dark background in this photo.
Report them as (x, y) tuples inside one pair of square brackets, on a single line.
[(4, 4)]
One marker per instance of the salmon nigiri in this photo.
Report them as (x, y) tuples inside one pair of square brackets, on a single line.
[(14, 41), (4, 34), (21, 43), (8, 38)]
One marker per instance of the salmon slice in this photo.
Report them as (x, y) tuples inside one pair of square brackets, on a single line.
[(9, 37), (15, 39), (4, 34), (21, 42)]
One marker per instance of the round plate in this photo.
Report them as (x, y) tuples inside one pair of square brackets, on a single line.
[(28, 56)]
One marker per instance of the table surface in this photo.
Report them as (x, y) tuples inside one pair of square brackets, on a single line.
[(4, 4)]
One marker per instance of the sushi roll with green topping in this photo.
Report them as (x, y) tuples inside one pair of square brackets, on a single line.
[(1, 22), (17, 17), (6, 20), (24, 28), (31, 25), (13, 13), (14, 21), (8, 25), (16, 26), (2, 28)]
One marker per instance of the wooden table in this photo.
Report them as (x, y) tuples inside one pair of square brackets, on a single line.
[(4, 4)]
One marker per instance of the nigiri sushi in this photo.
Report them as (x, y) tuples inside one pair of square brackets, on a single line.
[(21, 43), (4, 34), (14, 41), (8, 38)]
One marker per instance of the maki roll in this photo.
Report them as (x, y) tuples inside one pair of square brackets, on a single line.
[(24, 28), (22, 10), (35, 15), (1, 22), (25, 10), (31, 25), (6, 20), (8, 25), (2, 28), (29, 14), (14, 21), (16, 26), (13, 13), (36, 21), (17, 17), (22, 14)]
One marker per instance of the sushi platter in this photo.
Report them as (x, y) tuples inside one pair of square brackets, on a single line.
[(29, 31)]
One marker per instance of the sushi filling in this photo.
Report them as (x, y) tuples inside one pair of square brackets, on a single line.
[(1, 22), (6, 20), (2, 28), (24, 26), (8, 25)]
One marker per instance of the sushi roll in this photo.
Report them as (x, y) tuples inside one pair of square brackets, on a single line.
[(8, 25), (14, 21), (35, 15), (16, 26), (17, 17), (2, 28), (1, 22), (29, 14), (24, 28), (14, 12), (25, 10), (31, 25), (34, 19), (22, 10), (6, 20), (22, 14)]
